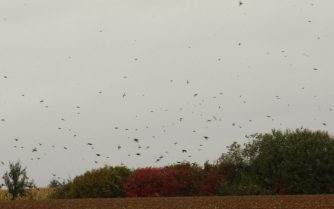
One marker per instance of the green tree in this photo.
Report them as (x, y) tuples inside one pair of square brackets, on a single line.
[(236, 168), (290, 162), (16, 180), (293, 162)]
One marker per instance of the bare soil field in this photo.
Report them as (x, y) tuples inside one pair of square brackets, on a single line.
[(231, 202)]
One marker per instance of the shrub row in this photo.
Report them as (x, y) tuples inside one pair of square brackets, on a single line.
[(290, 162)]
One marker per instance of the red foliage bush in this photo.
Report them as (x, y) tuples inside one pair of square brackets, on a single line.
[(212, 177), (210, 184), (181, 180), (144, 182), (178, 180)]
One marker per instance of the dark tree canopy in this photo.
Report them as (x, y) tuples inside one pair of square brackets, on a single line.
[(54, 183), (290, 162)]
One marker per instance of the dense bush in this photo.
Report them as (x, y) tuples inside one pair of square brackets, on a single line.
[(101, 183), (182, 180), (176, 180), (61, 191), (144, 182), (212, 177)]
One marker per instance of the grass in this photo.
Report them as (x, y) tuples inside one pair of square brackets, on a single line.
[(34, 194)]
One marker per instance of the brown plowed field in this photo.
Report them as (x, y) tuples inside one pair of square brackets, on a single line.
[(245, 202)]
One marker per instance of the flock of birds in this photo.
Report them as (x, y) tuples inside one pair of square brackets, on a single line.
[(35, 149), (137, 141)]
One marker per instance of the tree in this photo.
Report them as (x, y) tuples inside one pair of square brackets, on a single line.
[(293, 162), (235, 167), (54, 183), (290, 162), (16, 180)]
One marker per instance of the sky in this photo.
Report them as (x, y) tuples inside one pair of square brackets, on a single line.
[(167, 73)]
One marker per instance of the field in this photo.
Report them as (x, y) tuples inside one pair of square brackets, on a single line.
[(245, 202)]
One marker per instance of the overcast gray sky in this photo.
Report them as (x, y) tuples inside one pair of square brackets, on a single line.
[(74, 72)]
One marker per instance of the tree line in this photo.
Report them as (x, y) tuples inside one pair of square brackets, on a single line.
[(297, 161)]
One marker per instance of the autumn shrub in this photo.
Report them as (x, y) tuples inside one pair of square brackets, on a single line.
[(144, 182), (100, 183), (213, 175), (182, 180)]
